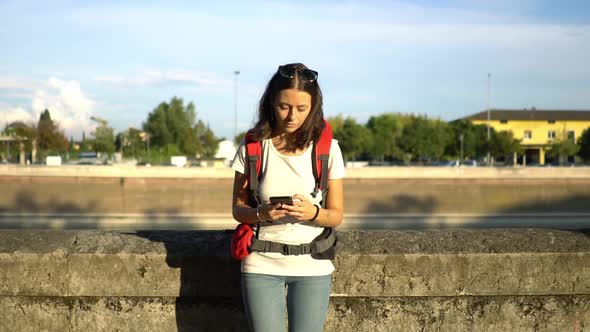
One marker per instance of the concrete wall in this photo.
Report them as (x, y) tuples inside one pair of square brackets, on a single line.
[(478, 280), (125, 203), (369, 196), (123, 171)]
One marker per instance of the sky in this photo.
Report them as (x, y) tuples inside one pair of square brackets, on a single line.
[(117, 60)]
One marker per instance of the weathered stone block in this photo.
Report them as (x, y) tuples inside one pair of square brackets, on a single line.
[(462, 274), (466, 313), (34, 262), (34, 314)]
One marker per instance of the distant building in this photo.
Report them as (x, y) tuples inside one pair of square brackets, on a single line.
[(536, 128), (226, 151)]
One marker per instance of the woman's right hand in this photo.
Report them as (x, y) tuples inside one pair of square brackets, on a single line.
[(271, 212)]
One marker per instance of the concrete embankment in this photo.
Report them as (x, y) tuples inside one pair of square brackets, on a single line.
[(463, 280), (171, 191)]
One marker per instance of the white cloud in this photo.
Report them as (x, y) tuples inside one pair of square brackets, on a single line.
[(13, 114), (201, 82), (67, 104), (65, 100), (158, 77)]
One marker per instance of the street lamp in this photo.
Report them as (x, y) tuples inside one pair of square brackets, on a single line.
[(489, 118), (236, 74), (461, 140), (148, 148), (146, 138)]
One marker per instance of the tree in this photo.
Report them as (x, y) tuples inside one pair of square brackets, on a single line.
[(49, 137), (174, 124), (584, 143), (353, 138), (25, 133), (157, 126), (503, 143), (208, 142), (562, 147), (86, 145), (385, 130), (131, 144), (439, 138), (104, 137), (474, 139), (336, 122), (424, 139)]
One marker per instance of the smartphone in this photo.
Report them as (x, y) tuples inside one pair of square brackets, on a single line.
[(281, 199)]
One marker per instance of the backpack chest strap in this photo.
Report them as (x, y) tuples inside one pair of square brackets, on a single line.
[(313, 247), (253, 179)]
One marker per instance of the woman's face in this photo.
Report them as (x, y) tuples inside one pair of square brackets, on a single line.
[(291, 108)]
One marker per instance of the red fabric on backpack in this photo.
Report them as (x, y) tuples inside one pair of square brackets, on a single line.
[(241, 241), (253, 148), (323, 147)]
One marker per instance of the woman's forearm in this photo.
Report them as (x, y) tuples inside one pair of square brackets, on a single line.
[(329, 217), (245, 214)]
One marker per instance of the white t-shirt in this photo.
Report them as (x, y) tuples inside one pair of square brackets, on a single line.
[(286, 176)]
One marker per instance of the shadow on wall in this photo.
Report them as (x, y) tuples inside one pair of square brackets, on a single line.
[(27, 211), (572, 204), (26, 202), (405, 204), (210, 294), (408, 212)]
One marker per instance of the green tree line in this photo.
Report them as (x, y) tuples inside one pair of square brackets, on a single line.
[(416, 138), (173, 128)]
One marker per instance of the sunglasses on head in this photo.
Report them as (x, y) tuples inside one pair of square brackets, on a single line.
[(306, 75)]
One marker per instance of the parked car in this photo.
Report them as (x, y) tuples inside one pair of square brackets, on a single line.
[(447, 163), (469, 163), (90, 158)]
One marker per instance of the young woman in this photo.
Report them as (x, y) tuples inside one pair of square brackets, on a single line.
[(290, 120)]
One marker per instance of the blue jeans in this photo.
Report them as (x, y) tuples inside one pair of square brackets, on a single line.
[(307, 301)]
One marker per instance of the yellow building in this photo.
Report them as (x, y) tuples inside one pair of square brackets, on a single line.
[(535, 128)]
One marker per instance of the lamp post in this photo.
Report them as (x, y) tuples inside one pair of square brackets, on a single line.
[(236, 74), (5, 133), (489, 118), (489, 115), (146, 138), (461, 140), (148, 149)]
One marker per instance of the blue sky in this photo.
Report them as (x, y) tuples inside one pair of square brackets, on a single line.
[(118, 60)]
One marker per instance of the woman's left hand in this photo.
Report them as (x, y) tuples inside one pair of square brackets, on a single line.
[(302, 209)]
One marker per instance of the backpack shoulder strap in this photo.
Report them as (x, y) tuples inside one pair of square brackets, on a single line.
[(254, 157), (320, 158)]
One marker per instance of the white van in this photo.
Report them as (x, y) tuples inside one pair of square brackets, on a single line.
[(53, 161)]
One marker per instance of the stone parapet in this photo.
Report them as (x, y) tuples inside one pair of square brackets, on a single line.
[(460, 280)]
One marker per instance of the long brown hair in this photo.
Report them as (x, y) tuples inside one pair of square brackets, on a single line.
[(311, 128)]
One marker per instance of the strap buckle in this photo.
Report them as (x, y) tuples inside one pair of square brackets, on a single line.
[(287, 250)]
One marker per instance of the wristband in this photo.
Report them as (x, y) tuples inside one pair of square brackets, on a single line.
[(317, 212), (258, 213)]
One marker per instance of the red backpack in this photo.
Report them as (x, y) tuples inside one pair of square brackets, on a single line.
[(323, 247)]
